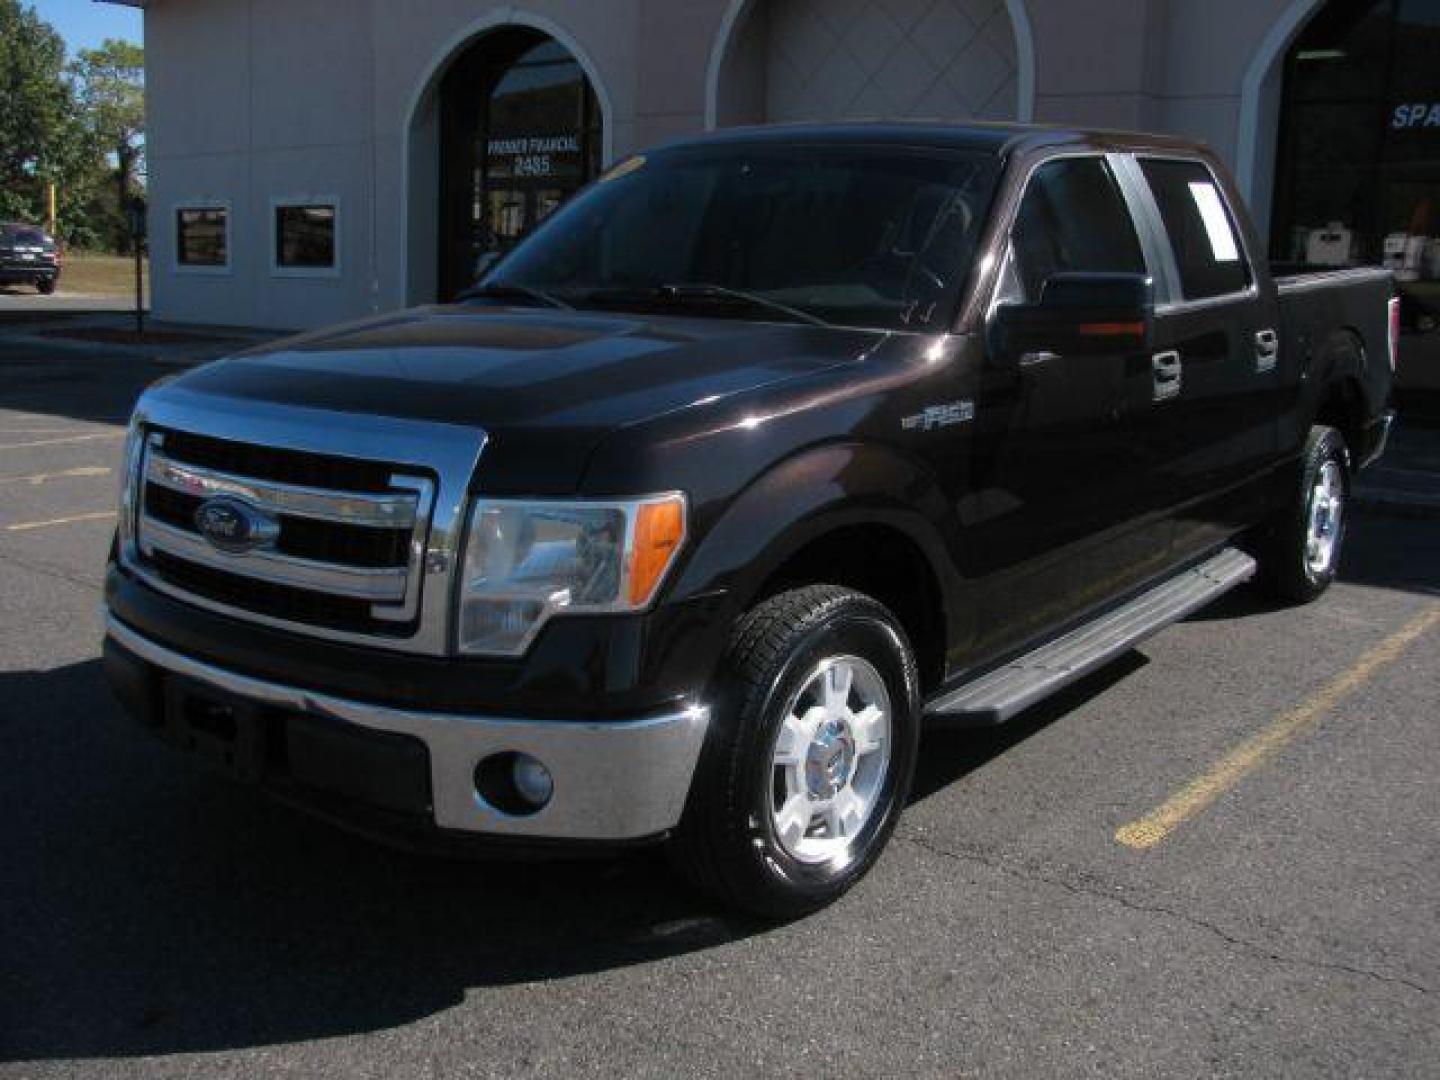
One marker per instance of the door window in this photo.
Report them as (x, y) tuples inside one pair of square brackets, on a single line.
[(1207, 247), (1073, 218)]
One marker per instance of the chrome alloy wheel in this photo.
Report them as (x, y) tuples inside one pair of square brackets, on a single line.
[(1327, 508), (830, 758)]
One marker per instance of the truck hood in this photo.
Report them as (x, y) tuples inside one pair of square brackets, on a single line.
[(545, 385)]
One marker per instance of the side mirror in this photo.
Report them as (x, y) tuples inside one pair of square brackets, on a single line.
[(1077, 315)]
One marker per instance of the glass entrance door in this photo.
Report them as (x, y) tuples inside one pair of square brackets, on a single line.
[(520, 134)]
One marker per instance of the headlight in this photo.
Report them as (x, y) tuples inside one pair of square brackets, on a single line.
[(528, 561)]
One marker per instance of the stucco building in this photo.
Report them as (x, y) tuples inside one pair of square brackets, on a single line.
[(313, 160)]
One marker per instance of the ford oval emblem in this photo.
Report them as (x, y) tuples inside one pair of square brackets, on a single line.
[(235, 526)]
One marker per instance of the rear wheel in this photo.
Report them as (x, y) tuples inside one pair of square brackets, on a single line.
[(45, 286), (810, 757), (1302, 554)]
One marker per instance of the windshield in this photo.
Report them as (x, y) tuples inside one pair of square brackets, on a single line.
[(854, 236)]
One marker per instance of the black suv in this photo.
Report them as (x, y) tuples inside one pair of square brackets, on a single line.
[(28, 256)]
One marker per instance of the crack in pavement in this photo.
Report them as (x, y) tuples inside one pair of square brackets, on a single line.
[(1030, 877), (92, 586)]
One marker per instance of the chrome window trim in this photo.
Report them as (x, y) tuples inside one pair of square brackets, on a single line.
[(448, 452), (339, 507)]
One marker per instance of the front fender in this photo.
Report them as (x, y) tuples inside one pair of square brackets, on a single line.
[(808, 495)]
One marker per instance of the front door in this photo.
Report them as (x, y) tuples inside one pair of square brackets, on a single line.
[(1057, 519)]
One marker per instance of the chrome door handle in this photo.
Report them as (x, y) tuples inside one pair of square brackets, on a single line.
[(1267, 351), (1165, 370)]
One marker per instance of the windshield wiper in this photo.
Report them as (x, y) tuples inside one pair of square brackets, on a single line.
[(501, 290), (699, 290)]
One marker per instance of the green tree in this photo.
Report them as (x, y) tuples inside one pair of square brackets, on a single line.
[(110, 87), (41, 138)]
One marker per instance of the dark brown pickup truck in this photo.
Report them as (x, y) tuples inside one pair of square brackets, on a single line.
[(766, 450)]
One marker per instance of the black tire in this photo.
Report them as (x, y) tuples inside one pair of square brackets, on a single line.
[(727, 844), (45, 286), (1287, 568)]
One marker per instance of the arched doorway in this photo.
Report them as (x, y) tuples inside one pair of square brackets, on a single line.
[(1358, 170), (520, 131), (784, 60)]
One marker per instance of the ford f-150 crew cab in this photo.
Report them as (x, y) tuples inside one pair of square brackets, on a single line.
[(767, 449)]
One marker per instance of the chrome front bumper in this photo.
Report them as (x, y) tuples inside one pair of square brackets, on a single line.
[(614, 780)]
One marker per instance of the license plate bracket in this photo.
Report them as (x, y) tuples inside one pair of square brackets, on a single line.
[(225, 730)]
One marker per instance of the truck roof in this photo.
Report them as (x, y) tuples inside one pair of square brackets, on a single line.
[(996, 138)]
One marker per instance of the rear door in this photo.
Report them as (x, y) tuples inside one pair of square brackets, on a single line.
[(1212, 382), (1055, 522)]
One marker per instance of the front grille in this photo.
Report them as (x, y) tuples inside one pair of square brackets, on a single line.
[(304, 538), (274, 601), (321, 471), (327, 543)]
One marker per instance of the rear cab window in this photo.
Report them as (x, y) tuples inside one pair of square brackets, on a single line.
[(1200, 229)]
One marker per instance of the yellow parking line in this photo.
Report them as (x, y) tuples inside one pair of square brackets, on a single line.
[(1205, 789), (57, 442), (44, 478), (28, 525)]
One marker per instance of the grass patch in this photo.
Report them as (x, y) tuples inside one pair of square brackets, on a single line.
[(101, 275)]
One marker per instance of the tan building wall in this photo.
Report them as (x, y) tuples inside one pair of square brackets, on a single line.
[(257, 100)]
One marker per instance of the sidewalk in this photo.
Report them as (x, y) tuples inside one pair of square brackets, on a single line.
[(1406, 481), (177, 344)]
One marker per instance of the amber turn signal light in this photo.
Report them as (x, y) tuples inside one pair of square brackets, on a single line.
[(659, 532)]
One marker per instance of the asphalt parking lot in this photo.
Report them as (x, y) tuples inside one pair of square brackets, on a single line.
[(1219, 857)]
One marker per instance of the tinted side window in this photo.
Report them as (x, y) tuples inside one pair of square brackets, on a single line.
[(1073, 218), (1202, 233)]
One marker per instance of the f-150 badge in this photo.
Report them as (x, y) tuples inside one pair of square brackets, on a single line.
[(938, 416)]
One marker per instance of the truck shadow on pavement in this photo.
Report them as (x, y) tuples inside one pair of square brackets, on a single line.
[(152, 907)]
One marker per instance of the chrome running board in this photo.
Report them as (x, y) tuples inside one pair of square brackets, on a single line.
[(997, 696)]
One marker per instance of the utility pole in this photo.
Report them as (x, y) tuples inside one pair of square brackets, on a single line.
[(136, 215), (51, 223)]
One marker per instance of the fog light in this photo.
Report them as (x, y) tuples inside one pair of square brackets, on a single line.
[(533, 781)]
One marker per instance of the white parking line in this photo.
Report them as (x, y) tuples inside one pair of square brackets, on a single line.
[(57, 442), (44, 478), (27, 526)]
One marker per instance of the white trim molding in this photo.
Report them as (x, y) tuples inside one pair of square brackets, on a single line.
[(1258, 84), (739, 10), (280, 202), (197, 269)]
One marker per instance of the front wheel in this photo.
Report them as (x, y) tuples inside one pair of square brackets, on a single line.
[(810, 756), (1302, 554)]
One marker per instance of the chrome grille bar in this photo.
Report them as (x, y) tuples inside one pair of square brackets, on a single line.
[(360, 583), (397, 511)]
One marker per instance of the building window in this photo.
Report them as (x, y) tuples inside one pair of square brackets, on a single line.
[(1359, 157), (202, 238), (306, 237)]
